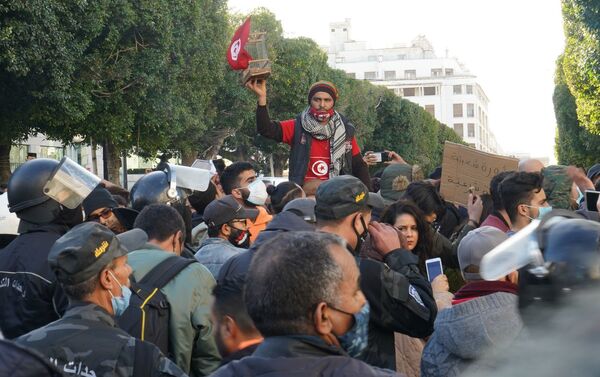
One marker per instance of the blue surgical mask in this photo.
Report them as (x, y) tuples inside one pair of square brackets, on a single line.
[(579, 196), (120, 304), (355, 340), (542, 211)]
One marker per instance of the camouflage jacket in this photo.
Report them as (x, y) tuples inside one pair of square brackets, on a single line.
[(86, 342)]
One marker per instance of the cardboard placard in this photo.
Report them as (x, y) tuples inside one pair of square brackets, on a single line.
[(464, 167)]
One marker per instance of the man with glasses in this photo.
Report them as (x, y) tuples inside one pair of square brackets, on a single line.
[(228, 232), (101, 207)]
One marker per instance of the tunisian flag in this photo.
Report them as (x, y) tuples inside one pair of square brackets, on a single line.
[(237, 56)]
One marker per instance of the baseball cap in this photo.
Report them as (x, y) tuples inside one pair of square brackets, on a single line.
[(341, 196), (394, 181), (223, 210), (302, 207), (475, 245), (87, 248)]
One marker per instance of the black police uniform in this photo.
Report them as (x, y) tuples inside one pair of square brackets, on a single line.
[(29, 292)]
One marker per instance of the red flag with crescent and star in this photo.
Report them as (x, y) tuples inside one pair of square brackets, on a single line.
[(237, 56)]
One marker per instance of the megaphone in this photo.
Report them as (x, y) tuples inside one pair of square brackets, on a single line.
[(518, 251)]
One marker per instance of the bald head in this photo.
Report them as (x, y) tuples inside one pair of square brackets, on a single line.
[(530, 165)]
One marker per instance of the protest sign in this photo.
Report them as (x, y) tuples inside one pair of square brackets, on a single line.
[(464, 168)]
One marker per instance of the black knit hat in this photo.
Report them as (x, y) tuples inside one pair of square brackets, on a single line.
[(323, 86), (98, 198)]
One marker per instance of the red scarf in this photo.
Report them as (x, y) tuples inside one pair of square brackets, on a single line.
[(483, 288)]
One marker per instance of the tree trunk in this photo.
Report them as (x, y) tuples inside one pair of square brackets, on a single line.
[(4, 162), (188, 158), (279, 163), (94, 147), (113, 156)]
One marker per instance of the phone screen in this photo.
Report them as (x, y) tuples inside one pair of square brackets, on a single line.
[(434, 268), (591, 198)]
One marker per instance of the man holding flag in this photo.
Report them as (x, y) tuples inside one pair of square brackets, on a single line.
[(322, 140)]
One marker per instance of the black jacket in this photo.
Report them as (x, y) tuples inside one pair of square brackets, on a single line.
[(283, 222), (29, 292), (401, 301), (18, 361), (299, 155), (301, 356)]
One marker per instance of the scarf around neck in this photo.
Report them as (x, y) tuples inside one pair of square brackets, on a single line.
[(334, 131)]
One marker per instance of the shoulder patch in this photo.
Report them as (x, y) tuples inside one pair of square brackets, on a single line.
[(412, 291)]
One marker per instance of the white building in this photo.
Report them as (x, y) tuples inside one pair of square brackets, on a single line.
[(443, 86)]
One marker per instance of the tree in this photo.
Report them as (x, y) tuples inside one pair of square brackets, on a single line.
[(582, 59), (575, 145), (41, 44)]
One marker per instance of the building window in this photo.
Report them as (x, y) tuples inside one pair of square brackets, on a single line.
[(410, 74), (401, 57), (333, 30), (55, 153), (398, 91), (457, 110), (351, 75), (372, 58), (471, 129), (436, 72), (429, 91), (469, 89), (470, 110), (370, 75), (449, 71), (344, 29), (339, 59), (430, 109), (458, 128), (457, 89), (389, 75), (409, 92)]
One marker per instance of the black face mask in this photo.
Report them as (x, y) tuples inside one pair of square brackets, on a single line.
[(239, 237), (360, 237)]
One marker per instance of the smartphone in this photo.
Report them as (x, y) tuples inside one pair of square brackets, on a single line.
[(382, 156), (591, 198), (434, 268)]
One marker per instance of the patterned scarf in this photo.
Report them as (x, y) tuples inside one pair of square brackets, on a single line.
[(334, 131)]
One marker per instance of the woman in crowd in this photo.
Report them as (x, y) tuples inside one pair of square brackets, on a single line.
[(410, 221)]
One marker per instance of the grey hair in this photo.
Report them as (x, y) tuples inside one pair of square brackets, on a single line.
[(289, 276)]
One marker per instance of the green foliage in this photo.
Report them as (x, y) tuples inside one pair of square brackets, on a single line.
[(582, 59), (575, 145)]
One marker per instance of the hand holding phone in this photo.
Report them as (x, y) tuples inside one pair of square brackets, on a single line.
[(591, 200), (434, 268)]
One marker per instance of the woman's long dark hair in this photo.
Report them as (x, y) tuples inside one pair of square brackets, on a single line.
[(425, 242)]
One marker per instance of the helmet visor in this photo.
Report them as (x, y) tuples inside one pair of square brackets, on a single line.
[(70, 184)]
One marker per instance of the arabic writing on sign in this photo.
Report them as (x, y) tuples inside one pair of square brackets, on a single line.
[(466, 185), (487, 171)]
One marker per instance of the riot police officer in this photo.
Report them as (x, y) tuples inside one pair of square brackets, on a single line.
[(29, 293)]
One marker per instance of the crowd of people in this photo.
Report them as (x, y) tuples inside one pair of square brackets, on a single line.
[(196, 272)]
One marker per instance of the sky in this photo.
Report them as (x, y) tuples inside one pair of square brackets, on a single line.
[(510, 45)]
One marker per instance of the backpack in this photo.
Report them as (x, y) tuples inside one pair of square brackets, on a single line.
[(147, 317)]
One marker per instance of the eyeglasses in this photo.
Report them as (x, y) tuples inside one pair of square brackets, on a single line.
[(105, 214), (241, 221)]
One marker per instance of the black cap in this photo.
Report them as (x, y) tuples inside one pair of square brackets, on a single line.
[(87, 248), (302, 207), (436, 174), (126, 216), (341, 196), (223, 210), (98, 198)]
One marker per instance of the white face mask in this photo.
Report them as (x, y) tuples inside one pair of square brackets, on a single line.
[(258, 192)]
